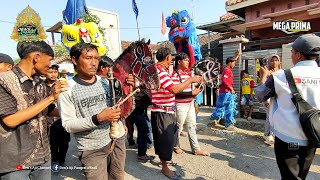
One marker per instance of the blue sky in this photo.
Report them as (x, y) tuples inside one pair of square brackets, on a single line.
[(50, 11)]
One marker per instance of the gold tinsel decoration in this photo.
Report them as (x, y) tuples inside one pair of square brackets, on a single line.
[(28, 27)]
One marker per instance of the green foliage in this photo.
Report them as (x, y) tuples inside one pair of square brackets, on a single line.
[(93, 18), (16, 60), (60, 50)]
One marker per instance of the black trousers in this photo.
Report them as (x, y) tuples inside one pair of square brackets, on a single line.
[(59, 142), (293, 161), (165, 134)]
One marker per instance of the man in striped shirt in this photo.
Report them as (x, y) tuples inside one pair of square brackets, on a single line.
[(163, 120), (185, 103)]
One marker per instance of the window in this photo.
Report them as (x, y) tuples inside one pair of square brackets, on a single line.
[(258, 14), (289, 5), (307, 2), (273, 10)]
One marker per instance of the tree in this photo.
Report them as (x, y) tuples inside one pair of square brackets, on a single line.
[(16, 60), (93, 18), (60, 50)]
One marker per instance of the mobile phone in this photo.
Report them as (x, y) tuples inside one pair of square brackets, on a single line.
[(263, 62)]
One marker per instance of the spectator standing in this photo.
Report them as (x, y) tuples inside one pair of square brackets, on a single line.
[(86, 112), (59, 137), (226, 105), (185, 103), (163, 120), (247, 93), (273, 65), (24, 106), (294, 156)]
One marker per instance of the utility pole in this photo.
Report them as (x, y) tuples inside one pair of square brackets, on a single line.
[(192, 7)]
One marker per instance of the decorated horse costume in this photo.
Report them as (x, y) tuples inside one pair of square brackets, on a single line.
[(209, 69), (136, 60)]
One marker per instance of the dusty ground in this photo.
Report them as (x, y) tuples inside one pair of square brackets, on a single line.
[(233, 155)]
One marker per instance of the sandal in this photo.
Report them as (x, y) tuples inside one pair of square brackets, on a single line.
[(183, 134), (201, 153), (178, 150), (175, 176), (145, 158)]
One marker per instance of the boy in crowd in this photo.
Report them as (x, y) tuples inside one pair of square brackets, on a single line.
[(247, 93)]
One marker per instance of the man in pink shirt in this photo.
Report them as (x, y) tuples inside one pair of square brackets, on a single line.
[(226, 104)]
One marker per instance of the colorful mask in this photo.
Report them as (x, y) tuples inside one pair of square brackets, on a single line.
[(83, 32), (183, 35)]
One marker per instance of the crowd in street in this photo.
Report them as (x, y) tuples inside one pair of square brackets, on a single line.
[(39, 110)]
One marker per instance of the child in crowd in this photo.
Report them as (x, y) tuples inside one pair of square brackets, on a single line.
[(247, 93)]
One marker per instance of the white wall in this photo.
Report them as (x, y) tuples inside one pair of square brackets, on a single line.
[(110, 21)]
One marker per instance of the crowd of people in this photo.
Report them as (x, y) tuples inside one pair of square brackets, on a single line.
[(37, 116)]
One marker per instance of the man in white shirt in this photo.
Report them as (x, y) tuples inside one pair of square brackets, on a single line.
[(294, 156)]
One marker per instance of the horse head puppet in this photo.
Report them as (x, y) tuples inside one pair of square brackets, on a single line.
[(83, 32), (137, 60), (209, 69), (183, 35)]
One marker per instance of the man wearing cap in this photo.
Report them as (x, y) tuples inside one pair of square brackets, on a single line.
[(6, 62), (226, 105), (59, 137), (293, 155), (64, 74)]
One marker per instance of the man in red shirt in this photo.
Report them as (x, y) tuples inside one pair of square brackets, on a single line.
[(226, 104)]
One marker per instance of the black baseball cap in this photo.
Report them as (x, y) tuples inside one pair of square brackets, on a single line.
[(4, 58), (55, 66), (307, 44)]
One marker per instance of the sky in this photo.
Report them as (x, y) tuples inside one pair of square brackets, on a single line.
[(50, 11)]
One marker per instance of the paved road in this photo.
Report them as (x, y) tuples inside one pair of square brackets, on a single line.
[(233, 155)]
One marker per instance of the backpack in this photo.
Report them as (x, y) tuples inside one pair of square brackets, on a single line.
[(309, 117)]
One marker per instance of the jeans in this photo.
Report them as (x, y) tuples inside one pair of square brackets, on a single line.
[(267, 128), (140, 118), (34, 174), (187, 114), (150, 145)]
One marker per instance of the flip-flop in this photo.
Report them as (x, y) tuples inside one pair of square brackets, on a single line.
[(175, 176), (178, 151), (146, 158)]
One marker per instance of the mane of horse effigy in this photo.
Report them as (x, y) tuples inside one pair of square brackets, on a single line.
[(137, 60), (209, 69)]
